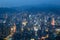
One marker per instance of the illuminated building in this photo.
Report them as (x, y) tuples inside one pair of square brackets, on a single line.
[(13, 28), (32, 39), (53, 22), (24, 22)]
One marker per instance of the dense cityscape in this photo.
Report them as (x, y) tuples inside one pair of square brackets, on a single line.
[(29, 26)]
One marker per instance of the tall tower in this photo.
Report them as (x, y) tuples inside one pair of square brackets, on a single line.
[(53, 22)]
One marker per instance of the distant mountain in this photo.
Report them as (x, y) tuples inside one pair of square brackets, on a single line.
[(7, 10), (45, 8)]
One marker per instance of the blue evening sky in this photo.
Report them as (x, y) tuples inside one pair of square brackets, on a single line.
[(17, 3)]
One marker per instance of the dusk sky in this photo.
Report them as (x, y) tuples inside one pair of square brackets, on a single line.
[(16, 3)]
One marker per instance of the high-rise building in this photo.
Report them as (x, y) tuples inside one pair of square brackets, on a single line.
[(52, 22)]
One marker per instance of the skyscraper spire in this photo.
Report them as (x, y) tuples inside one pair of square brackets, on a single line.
[(53, 22)]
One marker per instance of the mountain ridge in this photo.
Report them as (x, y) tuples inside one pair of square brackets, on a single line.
[(47, 8)]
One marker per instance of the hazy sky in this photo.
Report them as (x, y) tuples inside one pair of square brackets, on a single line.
[(16, 3)]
